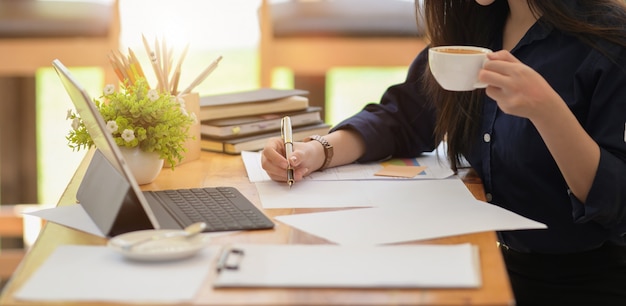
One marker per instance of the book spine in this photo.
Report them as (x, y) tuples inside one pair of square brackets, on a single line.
[(257, 127), (255, 108), (258, 142)]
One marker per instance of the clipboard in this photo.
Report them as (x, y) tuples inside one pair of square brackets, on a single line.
[(333, 266)]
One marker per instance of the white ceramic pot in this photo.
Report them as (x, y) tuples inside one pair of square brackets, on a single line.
[(145, 166)]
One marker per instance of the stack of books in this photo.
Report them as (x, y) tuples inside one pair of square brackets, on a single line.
[(245, 121)]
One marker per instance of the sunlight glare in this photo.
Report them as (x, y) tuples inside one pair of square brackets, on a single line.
[(204, 24)]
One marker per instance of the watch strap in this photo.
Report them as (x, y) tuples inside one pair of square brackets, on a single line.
[(328, 149)]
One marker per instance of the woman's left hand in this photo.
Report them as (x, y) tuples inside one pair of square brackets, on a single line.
[(518, 89)]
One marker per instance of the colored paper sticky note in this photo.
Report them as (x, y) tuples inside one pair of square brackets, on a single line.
[(400, 171)]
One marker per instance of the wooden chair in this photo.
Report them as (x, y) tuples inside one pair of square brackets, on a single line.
[(12, 229), (32, 34), (311, 37), (79, 33)]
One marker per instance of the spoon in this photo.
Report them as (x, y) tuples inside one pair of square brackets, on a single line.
[(187, 232)]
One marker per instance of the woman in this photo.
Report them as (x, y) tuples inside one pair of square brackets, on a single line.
[(547, 136)]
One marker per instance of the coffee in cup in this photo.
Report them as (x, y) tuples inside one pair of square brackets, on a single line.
[(456, 67)]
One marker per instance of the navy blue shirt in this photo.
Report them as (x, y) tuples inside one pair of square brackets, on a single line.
[(517, 170)]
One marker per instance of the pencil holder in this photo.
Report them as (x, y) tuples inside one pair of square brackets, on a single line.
[(192, 145)]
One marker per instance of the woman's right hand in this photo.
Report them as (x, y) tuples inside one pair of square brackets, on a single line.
[(306, 158)]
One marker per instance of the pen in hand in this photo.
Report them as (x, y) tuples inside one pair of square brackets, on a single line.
[(287, 136)]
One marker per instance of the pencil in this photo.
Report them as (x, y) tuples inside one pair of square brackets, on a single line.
[(202, 76), (157, 50), (120, 64), (176, 76), (153, 60), (163, 63), (116, 68), (170, 64), (134, 63), (125, 66)]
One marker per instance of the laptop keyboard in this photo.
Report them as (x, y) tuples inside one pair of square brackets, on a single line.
[(221, 208)]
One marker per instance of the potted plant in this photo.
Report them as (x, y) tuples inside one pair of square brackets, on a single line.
[(146, 125)]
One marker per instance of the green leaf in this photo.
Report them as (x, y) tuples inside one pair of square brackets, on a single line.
[(159, 126)]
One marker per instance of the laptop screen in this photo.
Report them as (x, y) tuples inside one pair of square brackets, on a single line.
[(109, 193)]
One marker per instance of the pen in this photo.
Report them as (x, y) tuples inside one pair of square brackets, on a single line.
[(287, 136)]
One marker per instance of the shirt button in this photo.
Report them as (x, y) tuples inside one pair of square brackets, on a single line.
[(488, 197), (486, 137)]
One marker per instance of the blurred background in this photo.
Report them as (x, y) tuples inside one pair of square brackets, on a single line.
[(344, 52), (211, 27)]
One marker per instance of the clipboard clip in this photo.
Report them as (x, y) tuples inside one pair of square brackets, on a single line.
[(229, 259)]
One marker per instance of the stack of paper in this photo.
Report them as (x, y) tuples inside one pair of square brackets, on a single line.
[(393, 210)]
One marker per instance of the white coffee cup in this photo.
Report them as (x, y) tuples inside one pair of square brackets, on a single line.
[(456, 67)]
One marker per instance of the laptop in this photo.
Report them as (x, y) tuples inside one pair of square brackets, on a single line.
[(113, 200)]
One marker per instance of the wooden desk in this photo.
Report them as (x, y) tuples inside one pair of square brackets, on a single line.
[(223, 170)]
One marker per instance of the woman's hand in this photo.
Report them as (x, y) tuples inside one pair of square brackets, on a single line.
[(518, 89), (306, 158), (521, 91)]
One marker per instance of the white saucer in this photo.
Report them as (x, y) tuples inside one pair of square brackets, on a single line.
[(158, 250)]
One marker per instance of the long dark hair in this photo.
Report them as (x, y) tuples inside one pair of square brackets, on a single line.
[(464, 22)]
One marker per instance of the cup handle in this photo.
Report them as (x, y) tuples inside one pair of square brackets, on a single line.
[(479, 84)]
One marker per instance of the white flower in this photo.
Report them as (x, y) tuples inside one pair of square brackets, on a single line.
[(69, 114), (109, 89), (184, 111), (75, 123), (180, 101), (112, 126), (153, 95), (194, 118), (128, 135)]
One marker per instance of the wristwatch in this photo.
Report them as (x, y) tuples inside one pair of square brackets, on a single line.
[(328, 149)]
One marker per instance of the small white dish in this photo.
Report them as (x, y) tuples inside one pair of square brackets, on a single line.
[(158, 250)]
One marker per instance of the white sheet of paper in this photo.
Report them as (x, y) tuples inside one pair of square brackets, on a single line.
[(437, 169), (392, 224), (404, 266), (73, 216), (97, 273), (366, 193), (76, 217), (313, 194)]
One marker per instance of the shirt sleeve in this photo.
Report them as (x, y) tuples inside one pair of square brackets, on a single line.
[(606, 124), (401, 124)]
